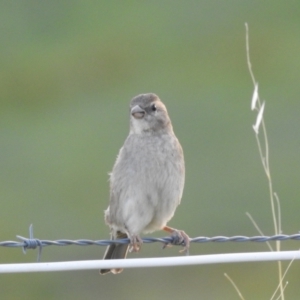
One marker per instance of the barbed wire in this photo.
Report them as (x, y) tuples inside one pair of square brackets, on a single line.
[(33, 243)]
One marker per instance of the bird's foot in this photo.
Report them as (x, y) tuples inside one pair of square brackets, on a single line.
[(135, 243), (179, 238)]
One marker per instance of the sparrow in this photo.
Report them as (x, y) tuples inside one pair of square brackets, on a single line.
[(147, 179)]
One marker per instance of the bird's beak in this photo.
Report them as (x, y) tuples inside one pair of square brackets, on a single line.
[(137, 112)]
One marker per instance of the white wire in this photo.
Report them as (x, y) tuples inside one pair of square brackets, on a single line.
[(149, 262)]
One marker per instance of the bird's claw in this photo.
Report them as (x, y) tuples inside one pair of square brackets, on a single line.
[(135, 243), (179, 238)]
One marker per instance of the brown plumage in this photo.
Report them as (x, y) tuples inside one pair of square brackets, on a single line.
[(147, 180)]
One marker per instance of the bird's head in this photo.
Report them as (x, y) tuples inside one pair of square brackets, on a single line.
[(148, 114)]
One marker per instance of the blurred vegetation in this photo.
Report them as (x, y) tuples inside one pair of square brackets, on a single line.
[(68, 71)]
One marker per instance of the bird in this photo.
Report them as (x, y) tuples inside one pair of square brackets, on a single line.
[(147, 179)]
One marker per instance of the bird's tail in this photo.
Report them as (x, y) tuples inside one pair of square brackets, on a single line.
[(116, 251)]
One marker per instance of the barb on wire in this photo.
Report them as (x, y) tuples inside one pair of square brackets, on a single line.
[(31, 243)]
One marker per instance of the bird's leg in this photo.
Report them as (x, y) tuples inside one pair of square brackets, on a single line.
[(179, 238), (135, 243)]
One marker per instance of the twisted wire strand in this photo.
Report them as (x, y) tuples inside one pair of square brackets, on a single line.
[(33, 243)]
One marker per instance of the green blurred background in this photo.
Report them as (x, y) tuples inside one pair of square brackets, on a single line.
[(68, 71)]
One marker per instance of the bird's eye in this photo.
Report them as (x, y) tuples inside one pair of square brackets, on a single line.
[(153, 107)]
